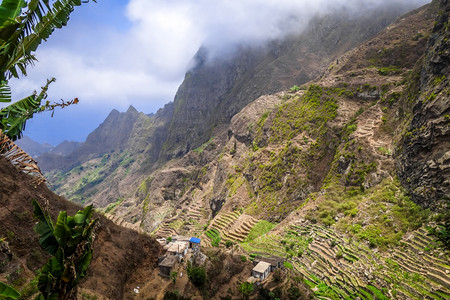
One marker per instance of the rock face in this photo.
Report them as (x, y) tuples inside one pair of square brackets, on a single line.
[(424, 159), (214, 91), (112, 135), (133, 144)]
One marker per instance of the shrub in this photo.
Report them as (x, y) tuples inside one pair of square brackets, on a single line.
[(294, 89), (294, 292), (246, 289), (197, 275)]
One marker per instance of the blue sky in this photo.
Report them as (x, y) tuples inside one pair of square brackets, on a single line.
[(116, 53)]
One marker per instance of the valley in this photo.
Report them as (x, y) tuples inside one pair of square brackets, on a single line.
[(329, 150)]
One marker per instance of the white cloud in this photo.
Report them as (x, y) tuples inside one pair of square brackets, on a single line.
[(144, 62)]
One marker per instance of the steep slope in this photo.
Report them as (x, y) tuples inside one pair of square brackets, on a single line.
[(214, 91), (111, 136), (211, 94), (115, 263), (424, 154), (310, 174)]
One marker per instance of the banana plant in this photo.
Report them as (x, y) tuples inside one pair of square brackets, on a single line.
[(7, 292), (69, 241), (23, 27)]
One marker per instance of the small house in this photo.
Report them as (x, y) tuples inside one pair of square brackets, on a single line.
[(261, 270), (178, 249), (275, 262), (167, 265), (194, 244)]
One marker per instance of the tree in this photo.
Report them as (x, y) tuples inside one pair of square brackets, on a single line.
[(69, 241), (23, 26)]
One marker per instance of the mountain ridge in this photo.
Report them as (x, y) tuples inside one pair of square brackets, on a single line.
[(322, 173)]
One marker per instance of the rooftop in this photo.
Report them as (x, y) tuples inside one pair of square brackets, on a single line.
[(169, 261), (195, 240), (177, 247), (261, 267)]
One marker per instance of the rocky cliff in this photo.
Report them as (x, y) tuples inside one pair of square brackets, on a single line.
[(211, 94), (424, 155), (326, 173)]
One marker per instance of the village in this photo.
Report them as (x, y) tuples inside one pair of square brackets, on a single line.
[(181, 249)]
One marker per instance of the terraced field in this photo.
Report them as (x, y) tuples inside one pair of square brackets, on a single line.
[(337, 268), (232, 227), (121, 222), (186, 222)]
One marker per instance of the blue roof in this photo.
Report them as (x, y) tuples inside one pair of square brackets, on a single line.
[(195, 240)]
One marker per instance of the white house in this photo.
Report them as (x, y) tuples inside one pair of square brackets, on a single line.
[(261, 270)]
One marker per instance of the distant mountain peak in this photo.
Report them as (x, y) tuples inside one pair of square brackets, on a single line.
[(131, 109)]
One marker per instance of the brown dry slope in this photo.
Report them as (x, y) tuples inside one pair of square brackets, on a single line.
[(119, 253)]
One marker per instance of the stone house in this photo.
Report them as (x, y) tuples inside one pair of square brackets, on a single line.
[(168, 264)]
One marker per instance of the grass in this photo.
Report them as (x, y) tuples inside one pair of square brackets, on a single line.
[(391, 70), (388, 213), (259, 229), (113, 205), (215, 237)]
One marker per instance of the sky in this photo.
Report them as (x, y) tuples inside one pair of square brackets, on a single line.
[(117, 53)]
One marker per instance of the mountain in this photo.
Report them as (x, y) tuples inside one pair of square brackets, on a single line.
[(21, 254), (112, 135), (65, 148), (36, 149), (329, 149), (212, 92), (32, 147)]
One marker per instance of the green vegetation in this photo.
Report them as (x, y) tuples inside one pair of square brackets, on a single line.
[(23, 27), (437, 81), (288, 265), (294, 89), (259, 229), (8, 292), (69, 241), (197, 275), (208, 145), (390, 213), (391, 70), (442, 232), (316, 106), (246, 289), (174, 276), (214, 235), (113, 205)]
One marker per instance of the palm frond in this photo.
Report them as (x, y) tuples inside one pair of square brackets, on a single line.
[(38, 24), (10, 10), (20, 159), (5, 92), (13, 117)]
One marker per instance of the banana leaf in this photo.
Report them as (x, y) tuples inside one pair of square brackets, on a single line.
[(45, 229), (8, 292), (62, 232), (10, 10)]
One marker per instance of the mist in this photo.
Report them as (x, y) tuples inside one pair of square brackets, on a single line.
[(219, 25), (118, 53)]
